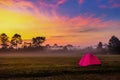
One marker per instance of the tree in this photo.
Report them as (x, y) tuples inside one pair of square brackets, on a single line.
[(114, 45), (4, 40), (100, 46), (38, 41), (16, 39), (47, 46), (55, 45)]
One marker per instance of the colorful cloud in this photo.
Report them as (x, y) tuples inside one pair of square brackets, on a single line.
[(44, 17)]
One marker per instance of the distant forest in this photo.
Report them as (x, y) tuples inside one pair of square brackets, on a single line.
[(17, 44)]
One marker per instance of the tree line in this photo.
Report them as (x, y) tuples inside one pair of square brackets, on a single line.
[(113, 45), (16, 40)]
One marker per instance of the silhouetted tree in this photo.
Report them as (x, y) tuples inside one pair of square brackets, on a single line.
[(55, 45), (69, 45), (38, 41), (100, 48), (16, 39), (106, 48), (4, 40), (100, 45), (114, 45), (47, 46)]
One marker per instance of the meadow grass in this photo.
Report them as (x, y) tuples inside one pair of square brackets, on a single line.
[(58, 68)]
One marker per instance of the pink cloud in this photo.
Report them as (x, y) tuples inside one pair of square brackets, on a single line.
[(22, 6), (61, 2), (111, 4), (17, 4), (115, 6), (81, 1), (90, 22), (61, 26), (60, 22), (102, 6), (55, 4), (114, 3)]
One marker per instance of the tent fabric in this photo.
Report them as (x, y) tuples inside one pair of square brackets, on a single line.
[(89, 59)]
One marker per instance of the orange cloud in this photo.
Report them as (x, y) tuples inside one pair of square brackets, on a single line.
[(31, 21), (61, 23)]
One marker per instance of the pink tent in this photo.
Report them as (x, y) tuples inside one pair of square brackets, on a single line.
[(89, 59)]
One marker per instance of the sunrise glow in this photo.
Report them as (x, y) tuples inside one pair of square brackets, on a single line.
[(61, 21)]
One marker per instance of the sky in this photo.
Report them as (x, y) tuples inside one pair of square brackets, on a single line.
[(76, 22)]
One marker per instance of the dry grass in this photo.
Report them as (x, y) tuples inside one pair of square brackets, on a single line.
[(58, 68)]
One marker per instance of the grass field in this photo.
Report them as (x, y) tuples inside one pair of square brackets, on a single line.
[(58, 68)]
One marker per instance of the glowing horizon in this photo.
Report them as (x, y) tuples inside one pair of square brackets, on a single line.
[(76, 22)]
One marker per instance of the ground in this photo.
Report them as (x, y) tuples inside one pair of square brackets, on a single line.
[(57, 68)]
